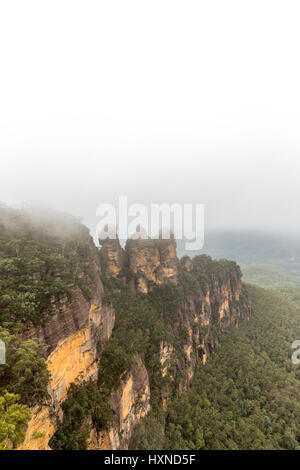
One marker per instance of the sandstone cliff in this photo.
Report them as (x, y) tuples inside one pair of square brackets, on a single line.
[(148, 262), (130, 402), (220, 303), (192, 300), (74, 328), (210, 297)]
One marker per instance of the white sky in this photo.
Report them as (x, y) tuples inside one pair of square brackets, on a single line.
[(163, 101)]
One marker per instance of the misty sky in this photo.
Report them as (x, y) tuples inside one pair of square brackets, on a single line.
[(162, 101)]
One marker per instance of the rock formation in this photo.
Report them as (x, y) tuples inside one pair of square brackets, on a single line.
[(72, 333), (76, 326), (113, 257), (130, 402), (150, 262)]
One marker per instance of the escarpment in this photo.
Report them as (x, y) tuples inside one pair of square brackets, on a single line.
[(130, 402), (149, 262), (113, 257), (181, 308), (74, 356), (124, 328), (170, 314), (75, 324), (217, 302), (211, 298), (57, 302)]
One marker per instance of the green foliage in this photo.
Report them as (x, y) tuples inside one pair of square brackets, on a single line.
[(189, 283), (143, 322), (273, 274), (204, 267), (291, 294), (86, 405), (137, 330), (37, 265), (86, 291), (13, 419), (248, 248), (266, 259), (25, 372), (247, 396), (149, 434), (167, 299), (37, 435)]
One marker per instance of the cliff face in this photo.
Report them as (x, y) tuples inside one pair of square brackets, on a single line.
[(74, 328), (75, 358), (113, 257), (130, 403), (69, 313), (150, 262), (220, 303), (210, 297), (76, 355)]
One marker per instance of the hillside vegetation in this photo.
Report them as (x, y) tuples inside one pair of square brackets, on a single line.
[(273, 274), (247, 396), (143, 323), (42, 257), (268, 260)]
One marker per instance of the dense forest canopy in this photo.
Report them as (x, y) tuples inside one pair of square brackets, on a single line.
[(247, 396)]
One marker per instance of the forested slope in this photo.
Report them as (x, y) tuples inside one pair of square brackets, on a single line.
[(136, 347), (247, 396)]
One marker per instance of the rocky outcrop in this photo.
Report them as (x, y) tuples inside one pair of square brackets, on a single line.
[(220, 303), (113, 257), (74, 332), (152, 262), (40, 428), (148, 262), (77, 329), (165, 356), (76, 356), (216, 301), (130, 403), (68, 314)]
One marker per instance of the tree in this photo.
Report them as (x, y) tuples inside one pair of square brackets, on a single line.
[(13, 420), (25, 372)]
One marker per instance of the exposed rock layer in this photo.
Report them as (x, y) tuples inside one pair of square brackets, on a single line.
[(130, 402), (149, 262), (221, 302), (72, 333), (75, 326)]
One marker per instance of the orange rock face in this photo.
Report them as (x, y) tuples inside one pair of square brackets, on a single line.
[(131, 402), (149, 261), (40, 429), (74, 358)]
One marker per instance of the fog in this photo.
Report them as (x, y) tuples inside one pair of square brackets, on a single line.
[(161, 101)]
